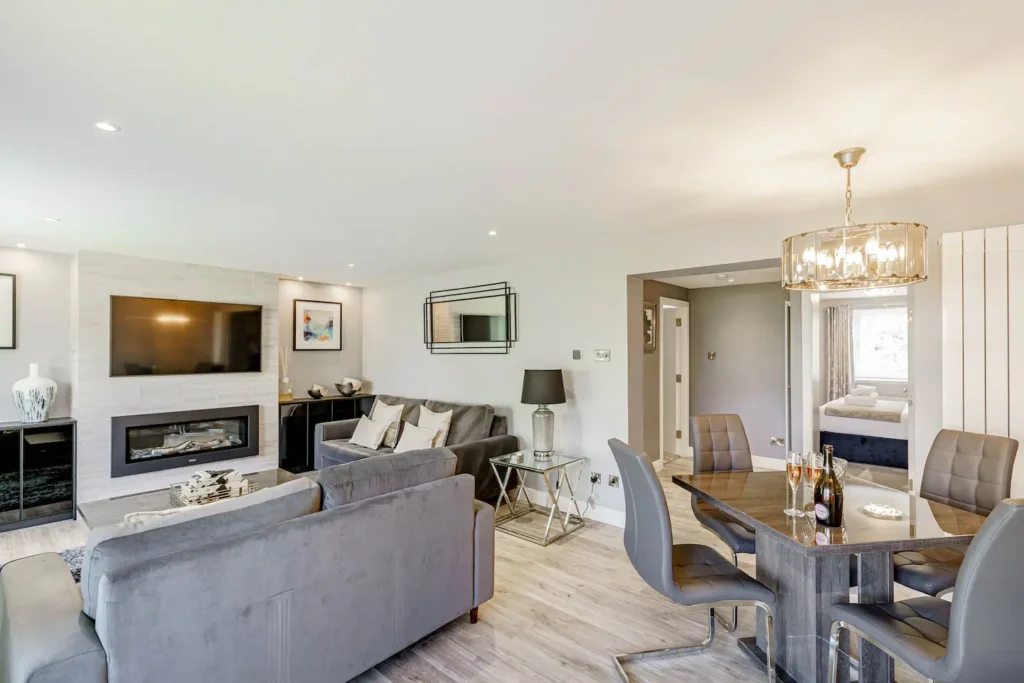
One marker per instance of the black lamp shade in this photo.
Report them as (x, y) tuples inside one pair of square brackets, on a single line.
[(543, 387)]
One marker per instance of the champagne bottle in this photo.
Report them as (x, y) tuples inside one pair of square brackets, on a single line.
[(828, 494)]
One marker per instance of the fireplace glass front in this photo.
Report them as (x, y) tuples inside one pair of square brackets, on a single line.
[(187, 437)]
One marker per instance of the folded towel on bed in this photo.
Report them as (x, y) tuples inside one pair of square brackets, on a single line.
[(865, 401), (863, 390)]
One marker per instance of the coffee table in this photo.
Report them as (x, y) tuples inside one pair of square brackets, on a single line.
[(112, 510)]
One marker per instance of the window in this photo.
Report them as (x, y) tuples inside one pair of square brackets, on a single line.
[(880, 344)]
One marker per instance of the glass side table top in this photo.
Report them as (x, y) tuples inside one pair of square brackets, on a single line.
[(526, 460)]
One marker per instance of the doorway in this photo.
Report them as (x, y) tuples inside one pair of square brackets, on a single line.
[(674, 383)]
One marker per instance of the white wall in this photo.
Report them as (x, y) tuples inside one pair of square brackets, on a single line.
[(43, 325), (96, 396), (572, 307), (322, 367)]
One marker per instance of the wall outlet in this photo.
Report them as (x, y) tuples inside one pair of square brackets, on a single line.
[(595, 477), (712, 355), (602, 355), (613, 480), (778, 441)]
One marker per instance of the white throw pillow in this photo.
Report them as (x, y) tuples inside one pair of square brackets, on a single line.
[(369, 433), (439, 422), (415, 438), (392, 417)]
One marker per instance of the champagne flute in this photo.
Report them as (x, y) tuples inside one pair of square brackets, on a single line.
[(794, 474)]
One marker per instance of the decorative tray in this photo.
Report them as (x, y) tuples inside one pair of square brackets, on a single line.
[(181, 498)]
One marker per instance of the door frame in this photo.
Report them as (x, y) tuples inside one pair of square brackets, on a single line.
[(681, 351)]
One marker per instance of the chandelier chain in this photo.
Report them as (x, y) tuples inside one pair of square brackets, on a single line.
[(849, 199)]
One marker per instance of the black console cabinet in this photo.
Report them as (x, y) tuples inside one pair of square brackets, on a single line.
[(37, 472), (300, 416)]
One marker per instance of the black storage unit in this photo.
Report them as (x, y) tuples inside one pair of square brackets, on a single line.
[(37, 472), (299, 418)]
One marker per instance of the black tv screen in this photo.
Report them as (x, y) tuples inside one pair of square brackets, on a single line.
[(175, 337)]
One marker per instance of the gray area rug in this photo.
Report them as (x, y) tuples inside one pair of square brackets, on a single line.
[(73, 558)]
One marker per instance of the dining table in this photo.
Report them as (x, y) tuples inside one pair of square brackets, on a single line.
[(811, 567)]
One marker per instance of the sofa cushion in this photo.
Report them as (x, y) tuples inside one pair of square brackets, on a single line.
[(411, 412), (369, 477), (370, 433), (341, 451), (469, 422), (122, 545), (390, 414)]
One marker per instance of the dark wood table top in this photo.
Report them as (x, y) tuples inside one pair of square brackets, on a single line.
[(759, 498)]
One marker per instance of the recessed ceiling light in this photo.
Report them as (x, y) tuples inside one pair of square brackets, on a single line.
[(492, 233), (732, 279), (21, 245), (107, 126), (348, 284), (351, 265), (300, 277), (53, 219)]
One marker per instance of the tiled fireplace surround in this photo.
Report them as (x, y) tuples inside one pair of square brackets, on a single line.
[(96, 397)]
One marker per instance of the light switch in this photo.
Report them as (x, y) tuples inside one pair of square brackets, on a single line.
[(602, 355)]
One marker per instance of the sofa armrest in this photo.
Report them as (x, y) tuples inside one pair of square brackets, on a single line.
[(339, 429), (475, 458), (330, 431), (45, 636), (483, 553)]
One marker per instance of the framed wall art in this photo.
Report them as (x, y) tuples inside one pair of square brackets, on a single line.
[(317, 325), (8, 312)]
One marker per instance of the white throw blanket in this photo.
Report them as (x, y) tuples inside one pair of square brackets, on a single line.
[(863, 390), (867, 401)]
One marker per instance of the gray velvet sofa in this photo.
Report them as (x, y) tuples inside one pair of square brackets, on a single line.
[(307, 581), (476, 435)]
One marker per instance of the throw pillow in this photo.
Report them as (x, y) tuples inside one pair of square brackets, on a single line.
[(392, 417), (369, 433), (439, 422), (415, 438)]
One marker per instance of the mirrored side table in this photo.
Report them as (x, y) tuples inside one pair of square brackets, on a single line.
[(525, 462)]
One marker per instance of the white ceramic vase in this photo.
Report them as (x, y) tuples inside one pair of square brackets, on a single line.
[(34, 395)]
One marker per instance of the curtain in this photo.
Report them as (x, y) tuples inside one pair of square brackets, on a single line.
[(838, 357)]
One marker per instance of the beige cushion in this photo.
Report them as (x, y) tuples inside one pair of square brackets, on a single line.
[(120, 546), (415, 438), (369, 433), (439, 422), (392, 415)]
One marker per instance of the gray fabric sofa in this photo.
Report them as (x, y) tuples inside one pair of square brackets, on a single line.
[(344, 572), (476, 435)]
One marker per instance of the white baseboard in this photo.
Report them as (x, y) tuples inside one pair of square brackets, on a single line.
[(767, 463)]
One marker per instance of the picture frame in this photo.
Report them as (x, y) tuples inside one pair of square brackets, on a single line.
[(316, 325), (650, 327), (8, 311)]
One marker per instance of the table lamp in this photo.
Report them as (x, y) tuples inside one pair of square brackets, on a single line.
[(543, 388)]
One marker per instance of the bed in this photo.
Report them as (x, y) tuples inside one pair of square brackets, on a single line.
[(869, 435)]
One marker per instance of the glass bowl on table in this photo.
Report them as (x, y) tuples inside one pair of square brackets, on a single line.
[(815, 462)]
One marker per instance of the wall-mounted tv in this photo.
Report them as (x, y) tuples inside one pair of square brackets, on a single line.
[(175, 337)]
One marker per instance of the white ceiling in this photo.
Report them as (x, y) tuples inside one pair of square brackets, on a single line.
[(740, 277), (297, 137)]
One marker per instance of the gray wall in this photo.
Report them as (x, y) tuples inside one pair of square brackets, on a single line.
[(323, 367), (745, 326), (654, 290), (44, 325)]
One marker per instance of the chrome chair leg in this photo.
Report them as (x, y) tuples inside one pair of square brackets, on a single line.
[(833, 651), (730, 627), (769, 632), (666, 652)]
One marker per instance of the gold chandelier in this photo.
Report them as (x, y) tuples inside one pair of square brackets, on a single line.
[(856, 256)]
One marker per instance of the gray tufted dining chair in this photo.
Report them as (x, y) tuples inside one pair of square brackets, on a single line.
[(688, 574), (968, 471), (720, 445), (975, 638)]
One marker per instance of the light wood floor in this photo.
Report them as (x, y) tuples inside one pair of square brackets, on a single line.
[(558, 614)]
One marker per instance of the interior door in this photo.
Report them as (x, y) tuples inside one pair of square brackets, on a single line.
[(683, 446)]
